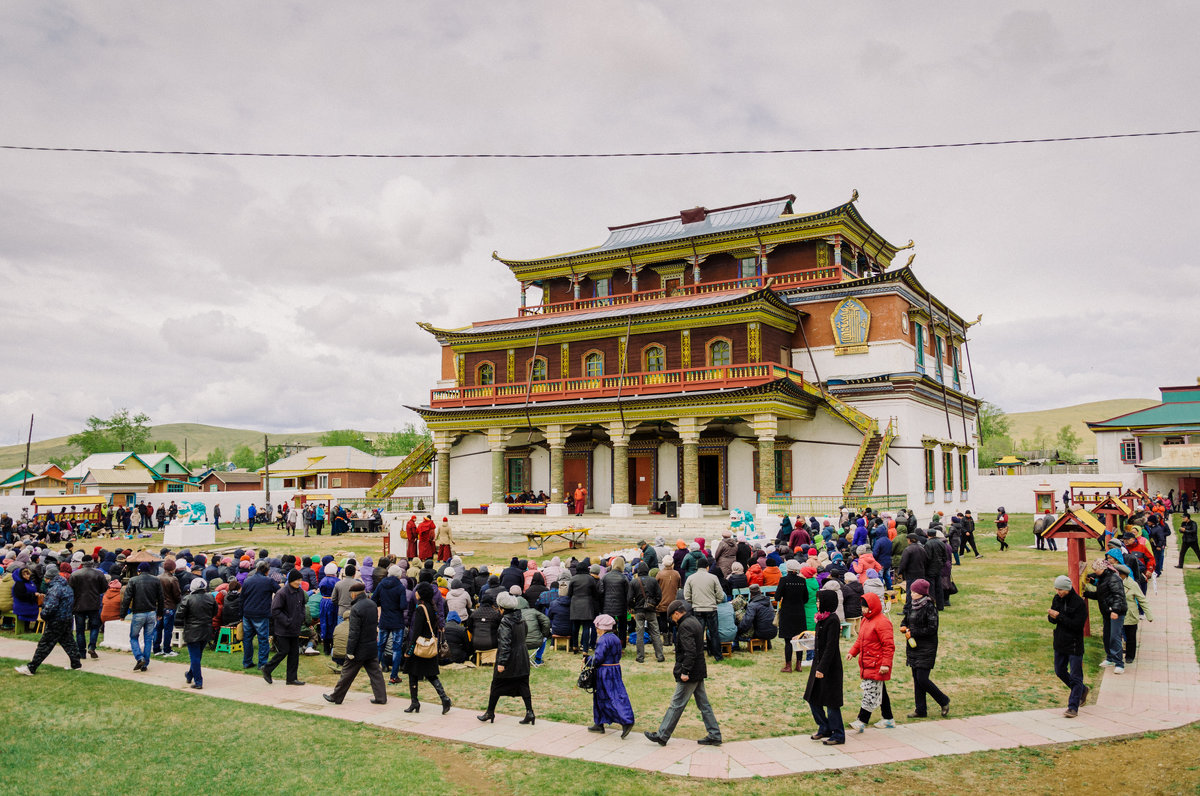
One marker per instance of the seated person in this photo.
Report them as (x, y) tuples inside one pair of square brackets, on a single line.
[(759, 621), (457, 639), (483, 623), (542, 497)]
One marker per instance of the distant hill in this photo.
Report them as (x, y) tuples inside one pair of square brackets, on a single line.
[(201, 440), (1025, 424)]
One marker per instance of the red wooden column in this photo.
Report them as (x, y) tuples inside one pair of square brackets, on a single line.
[(1076, 527)]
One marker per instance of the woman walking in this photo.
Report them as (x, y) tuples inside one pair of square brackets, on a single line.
[(195, 615), (511, 674), (921, 629), (1002, 527), (824, 690), (875, 648), (792, 593), (610, 701), (424, 625)]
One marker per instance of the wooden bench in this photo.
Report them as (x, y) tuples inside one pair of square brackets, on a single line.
[(758, 644), (726, 648), (565, 640), (485, 657)]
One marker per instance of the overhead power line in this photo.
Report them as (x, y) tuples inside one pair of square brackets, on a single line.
[(547, 155)]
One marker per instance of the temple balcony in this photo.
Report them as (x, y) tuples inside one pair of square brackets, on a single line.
[(780, 281), (600, 387)]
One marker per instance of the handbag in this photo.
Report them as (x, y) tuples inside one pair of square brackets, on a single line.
[(587, 676), (953, 588), (425, 646)]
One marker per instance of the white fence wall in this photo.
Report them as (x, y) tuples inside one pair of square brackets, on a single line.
[(1015, 492)]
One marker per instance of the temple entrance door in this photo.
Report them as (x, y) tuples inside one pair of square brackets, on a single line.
[(710, 479), (671, 287), (641, 480), (575, 471)]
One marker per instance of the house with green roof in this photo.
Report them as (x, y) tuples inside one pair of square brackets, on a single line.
[(1160, 443)]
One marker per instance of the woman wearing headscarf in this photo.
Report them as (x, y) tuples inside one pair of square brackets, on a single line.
[(824, 690), (1002, 527), (785, 530), (531, 569), (425, 624), (510, 677), (195, 614), (25, 597), (921, 629), (327, 617), (792, 594), (367, 574), (444, 541), (610, 700), (875, 648), (535, 589)]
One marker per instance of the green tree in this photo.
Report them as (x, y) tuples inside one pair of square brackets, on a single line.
[(216, 456), (401, 442), (350, 437), (161, 446), (993, 422), (1068, 442), (246, 458), (1040, 441), (121, 432)]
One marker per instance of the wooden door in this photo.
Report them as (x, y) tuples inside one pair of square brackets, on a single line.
[(575, 471), (641, 480)]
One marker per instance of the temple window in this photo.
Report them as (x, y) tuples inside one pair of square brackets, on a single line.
[(593, 364), (538, 369), (749, 267), (720, 353), (603, 287), (485, 373), (919, 334), (656, 359)]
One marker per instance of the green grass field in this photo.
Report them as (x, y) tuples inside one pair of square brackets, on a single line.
[(994, 656)]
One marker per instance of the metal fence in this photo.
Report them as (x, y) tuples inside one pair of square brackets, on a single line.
[(1042, 469), (822, 505), (392, 504)]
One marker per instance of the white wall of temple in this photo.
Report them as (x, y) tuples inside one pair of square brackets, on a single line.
[(602, 482), (539, 470), (1108, 451), (822, 455), (668, 471), (740, 461), (888, 356), (471, 472)]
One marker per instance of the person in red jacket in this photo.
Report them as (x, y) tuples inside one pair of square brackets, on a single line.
[(875, 649)]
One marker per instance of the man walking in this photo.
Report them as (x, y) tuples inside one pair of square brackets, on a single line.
[(144, 600), (88, 585), (217, 516), (1067, 613), (288, 612), (690, 671), (703, 591), (257, 592), (56, 613), (362, 649), (171, 593), (644, 596), (1187, 533)]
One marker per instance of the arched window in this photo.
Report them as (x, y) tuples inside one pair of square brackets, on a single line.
[(485, 374), (593, 364), (655, 358), (719, 353), (539, 369)]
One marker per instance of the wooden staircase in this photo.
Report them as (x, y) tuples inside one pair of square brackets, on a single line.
[(417, 459), (872, 453)]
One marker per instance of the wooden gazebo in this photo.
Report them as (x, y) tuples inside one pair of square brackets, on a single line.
[(1076, 526)]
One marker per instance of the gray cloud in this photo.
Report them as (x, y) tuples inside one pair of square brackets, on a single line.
[(284, 293)]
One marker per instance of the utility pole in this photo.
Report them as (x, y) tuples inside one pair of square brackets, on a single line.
[(185, 456), (267, 465), (28, 442)]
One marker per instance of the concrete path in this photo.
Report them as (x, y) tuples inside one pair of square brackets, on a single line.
[(1160, 691)]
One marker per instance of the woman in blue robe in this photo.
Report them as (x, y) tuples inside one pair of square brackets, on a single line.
[(610, 701)]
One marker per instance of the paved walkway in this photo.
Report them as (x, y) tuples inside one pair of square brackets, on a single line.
[(1161, 691)]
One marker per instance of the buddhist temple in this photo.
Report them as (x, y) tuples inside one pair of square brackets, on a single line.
[(750, 357)]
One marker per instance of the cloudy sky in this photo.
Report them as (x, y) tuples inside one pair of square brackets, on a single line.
[(283, 294)]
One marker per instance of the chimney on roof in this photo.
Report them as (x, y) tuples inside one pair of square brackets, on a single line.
[(693, 216)]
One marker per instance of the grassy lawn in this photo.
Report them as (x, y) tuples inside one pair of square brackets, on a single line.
[(994, 655), (123, 736), (1191, 582)]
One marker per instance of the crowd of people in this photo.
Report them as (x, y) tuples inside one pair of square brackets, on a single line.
[(815, 583)]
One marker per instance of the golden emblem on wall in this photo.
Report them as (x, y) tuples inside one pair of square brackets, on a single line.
[(511, 370), (685, 348), (564, 359), (851, 322)]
